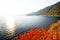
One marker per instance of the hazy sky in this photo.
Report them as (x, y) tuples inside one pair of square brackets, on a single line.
[(22, 7)]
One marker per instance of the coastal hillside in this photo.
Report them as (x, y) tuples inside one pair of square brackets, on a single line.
[(53, 10)]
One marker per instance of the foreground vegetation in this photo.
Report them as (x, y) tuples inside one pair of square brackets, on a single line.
[(42, 34)]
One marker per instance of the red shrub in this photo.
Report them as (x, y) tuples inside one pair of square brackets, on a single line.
[(52, 34)]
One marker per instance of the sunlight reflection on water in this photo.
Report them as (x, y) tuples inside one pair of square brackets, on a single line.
[(13, 26), (10, 26)]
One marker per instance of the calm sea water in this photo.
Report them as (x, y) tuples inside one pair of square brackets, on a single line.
[(23, 24)]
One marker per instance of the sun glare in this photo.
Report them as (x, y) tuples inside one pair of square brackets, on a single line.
[(10, 25), (22, 7), (9, 21)]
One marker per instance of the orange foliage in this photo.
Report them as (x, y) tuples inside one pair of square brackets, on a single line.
[(42, 34)]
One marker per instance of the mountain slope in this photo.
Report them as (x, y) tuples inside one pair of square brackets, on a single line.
[(50, 10)]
